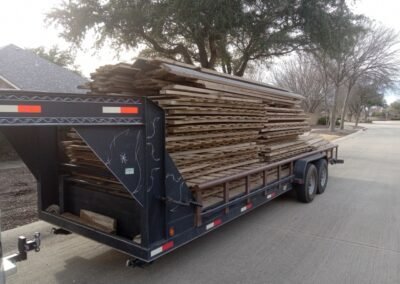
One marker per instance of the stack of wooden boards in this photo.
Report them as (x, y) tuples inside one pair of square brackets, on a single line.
[(216, 124), (95, 220), (78, 153), (315, 141)]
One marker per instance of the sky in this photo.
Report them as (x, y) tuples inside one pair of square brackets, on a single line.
[(22, 22), (385, 12)]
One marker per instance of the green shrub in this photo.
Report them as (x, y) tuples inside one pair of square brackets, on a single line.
[(323, 121), (378, 114)]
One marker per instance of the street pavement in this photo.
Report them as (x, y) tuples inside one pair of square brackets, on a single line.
[(6, 165), (350, 234)]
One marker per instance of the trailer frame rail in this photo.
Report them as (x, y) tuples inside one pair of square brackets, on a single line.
[(331, 153)]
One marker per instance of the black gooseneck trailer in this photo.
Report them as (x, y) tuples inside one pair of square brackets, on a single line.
[(161, 209)]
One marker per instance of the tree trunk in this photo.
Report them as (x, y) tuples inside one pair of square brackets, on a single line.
[(332, 121), (366, 114), (342, 116), (357, 118), (344, 108), (203, 53), (333, 111), (350, 117), (327, 120), (327, 110)]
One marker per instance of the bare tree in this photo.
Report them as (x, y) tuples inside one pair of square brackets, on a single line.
[(333, 53), (301, 75), (335, 71), (259, 71), (365, 94), (373, 56)]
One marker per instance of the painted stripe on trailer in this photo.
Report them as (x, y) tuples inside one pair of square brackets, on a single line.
[(111, 109), (8, 108), (168, 246), (132, 110), (163, 248), (122, 109), (21, 108), (214, 224), (244, 208), (30, 108), (156, 251)]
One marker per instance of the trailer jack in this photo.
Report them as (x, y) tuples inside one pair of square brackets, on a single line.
[(24, 246)]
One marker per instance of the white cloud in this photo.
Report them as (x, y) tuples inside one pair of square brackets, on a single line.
[(384, 11), (390, 98)]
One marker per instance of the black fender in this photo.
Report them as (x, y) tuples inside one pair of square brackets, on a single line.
[(300, 166)]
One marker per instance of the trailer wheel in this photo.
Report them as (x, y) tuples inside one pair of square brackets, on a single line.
[(322, 167), (53, 209), (306, 191)]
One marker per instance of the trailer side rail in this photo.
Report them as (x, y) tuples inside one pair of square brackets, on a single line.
[(330, 152)]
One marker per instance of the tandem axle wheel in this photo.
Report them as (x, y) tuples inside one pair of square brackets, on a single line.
[(314, 180)]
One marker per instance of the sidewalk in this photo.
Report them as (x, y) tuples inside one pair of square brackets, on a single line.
[(331, 136)]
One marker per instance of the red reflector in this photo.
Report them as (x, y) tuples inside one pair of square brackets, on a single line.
[(30, 108), (217, 222), (249, 206), (129, 110), (168, 245)]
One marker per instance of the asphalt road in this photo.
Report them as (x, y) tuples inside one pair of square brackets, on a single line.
[(350, 234)]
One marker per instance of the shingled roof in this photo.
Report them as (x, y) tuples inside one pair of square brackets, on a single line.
[(28, 71)]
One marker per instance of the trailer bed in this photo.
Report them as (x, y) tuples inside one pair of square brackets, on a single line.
[(154, 209)]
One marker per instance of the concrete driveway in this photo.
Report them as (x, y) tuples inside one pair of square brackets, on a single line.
[(350, 234)]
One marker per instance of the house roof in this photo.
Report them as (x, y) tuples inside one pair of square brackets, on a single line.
[(28, 71)]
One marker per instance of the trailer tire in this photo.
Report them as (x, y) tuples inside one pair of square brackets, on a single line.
[(306, 192), (322, 167), (53, 209)]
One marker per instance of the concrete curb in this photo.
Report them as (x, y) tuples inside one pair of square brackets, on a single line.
[(349, 136)]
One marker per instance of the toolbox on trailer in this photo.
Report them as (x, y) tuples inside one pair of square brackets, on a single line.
[(158, 212)]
